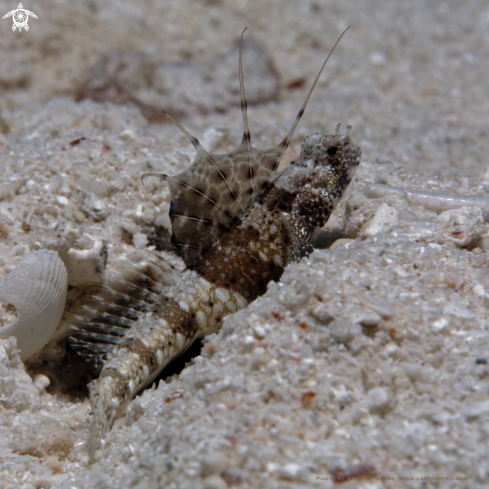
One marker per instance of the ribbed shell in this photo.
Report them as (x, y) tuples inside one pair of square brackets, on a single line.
[(36, 287)]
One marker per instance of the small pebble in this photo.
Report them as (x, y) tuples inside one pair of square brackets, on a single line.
[(62, 200), (41, 382), (260, 332), (140, 241), (214, 482), (439, 325), (213, 463), (478, 290), (377, 399)]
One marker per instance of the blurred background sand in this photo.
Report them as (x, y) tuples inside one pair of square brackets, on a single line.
[(411, 77)]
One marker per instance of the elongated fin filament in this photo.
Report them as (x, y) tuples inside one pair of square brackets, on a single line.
[(196, 144), (192, 139), (244, 110), (286, 141), (244, 104)]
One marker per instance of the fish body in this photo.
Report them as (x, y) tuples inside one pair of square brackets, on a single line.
[(234, 243)]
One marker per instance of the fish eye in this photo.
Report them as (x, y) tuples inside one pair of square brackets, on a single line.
[(332, 150)]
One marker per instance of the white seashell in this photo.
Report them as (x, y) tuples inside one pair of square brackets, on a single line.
[(87, 265), (36, 287)]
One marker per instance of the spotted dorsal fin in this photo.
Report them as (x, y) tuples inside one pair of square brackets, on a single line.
[(210, 196)]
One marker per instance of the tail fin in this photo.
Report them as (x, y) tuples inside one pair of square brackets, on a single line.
[(104, 413)]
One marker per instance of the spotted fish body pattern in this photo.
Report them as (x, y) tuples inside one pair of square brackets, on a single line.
[(237, 226)]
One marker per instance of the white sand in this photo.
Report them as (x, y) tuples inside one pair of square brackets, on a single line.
[(370, 356)]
